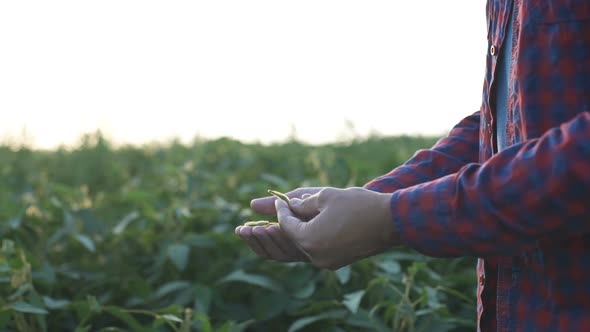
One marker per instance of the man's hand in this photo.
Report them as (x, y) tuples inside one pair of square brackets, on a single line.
[(271, 242), (350, 224), (344, 225)]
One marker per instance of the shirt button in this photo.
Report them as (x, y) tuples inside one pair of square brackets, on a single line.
[(493, 50), (482, 280)]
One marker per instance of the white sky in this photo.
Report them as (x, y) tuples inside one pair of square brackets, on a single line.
[(152, 70)]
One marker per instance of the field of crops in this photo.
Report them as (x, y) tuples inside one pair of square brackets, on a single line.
[(141, 239)]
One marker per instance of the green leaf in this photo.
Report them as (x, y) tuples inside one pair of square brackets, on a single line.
[(203, 297), (344, 274), (120, 227), (57, 236), (19, 292), (171, 318), (167, 317), (205, 323), (269, 305), (199, 241), (69, 222), (173, 309), (253, 279), (55, 303), (178, 254), (366, 321), (83, 328), (5, 318), (306, 291), (15, 223), (352, 300), (318, 305), (406, 256), (234, 327), (303, 322), (45, 274), (125, 316), (182, 212), (93, 304), (86, 242), (432, 298), (7, 247), (390, 266), (25, 307), (171, 287)]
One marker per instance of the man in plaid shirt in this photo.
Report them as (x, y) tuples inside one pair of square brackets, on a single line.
[(510, 184)]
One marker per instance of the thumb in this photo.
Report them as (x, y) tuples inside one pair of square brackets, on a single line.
[(293, 227), (307, 207)]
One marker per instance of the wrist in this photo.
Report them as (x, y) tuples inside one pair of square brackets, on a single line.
[(388, 236)]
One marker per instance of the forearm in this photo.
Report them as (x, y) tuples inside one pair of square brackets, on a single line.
[(528, 192), (447, 156)]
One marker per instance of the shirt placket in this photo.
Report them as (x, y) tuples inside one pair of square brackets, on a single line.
[(504, 267), (498, 16), (512, 136)]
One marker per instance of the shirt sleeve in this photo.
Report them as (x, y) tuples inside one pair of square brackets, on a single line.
[(447, 156), (531, 191)]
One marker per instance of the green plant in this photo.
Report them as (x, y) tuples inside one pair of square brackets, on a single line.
[(98, 238)]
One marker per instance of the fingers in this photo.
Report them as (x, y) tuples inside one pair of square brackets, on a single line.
[(274, 251), (274, 242), (308, 207), (293, 227), (246, 234), (300, 192), (280, 247), (270, 243), (265, 205), (286, 245)]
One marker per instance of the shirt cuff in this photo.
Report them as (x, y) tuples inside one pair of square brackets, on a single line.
[(422, 218)]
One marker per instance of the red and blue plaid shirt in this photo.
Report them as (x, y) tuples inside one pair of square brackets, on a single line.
[(524, 211)]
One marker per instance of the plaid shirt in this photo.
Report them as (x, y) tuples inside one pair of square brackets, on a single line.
[(524, 211)]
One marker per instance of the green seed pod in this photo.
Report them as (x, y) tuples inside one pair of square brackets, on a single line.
[(256, 223), (279, 195), (264, 223)]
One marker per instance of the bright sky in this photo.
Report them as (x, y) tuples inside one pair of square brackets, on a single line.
[(152, 70)]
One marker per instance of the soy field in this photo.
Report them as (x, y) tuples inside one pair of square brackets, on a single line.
[(99, 237)]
